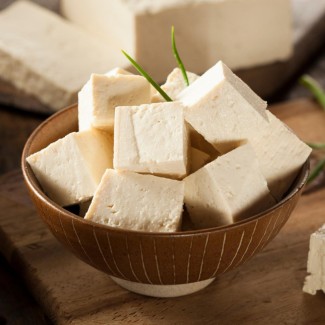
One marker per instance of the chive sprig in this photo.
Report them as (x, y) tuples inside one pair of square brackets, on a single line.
[(313, 86), (178, 59), (147, 76), (316, 145), (316, 171)]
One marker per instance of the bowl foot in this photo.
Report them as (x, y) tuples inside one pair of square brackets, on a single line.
[(162, 291)]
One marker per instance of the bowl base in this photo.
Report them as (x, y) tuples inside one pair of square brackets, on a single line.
[(162, 291)]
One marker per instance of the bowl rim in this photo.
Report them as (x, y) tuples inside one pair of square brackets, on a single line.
[(33, 185)]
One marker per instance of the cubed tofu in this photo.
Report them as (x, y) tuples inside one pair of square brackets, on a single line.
[(229, 188), (151, 139), (138, 202), (280, 153), (99, 97), (174, 84), (222, 108), (242, 33), (46, 56), (316, 263), (197, 159), (70, 169)]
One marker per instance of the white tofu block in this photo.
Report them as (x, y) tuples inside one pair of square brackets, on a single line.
[(137, 202), (229, 188), (242, 33), (316, 263), (46, 56), (70, 169), (197, 159), (174, 84), (99, 97), (151, 139), (227, 113), (222, 108), (280, 153)]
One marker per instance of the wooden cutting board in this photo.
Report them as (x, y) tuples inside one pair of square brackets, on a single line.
[(266, 290)]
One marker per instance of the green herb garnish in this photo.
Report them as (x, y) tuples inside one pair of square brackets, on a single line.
[(311, 84), (316, 171), (178, 59), (319, 94), (146, 75), (316, 146)]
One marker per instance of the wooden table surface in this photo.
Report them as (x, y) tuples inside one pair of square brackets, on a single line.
[(16, 304)]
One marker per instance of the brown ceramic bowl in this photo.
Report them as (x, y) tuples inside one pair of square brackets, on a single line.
[(156, 264)]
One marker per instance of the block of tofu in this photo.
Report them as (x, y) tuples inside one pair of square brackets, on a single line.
[(138, 202), (222, 108), (151, 138), (99, 97), (316, 263), (174, 85), (46, 56), (70, 169), (280, 153), (241, 33), (227, 113), (229, 188), (85, 99), (197, 159)]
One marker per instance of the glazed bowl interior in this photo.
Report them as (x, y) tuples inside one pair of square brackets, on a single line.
[(153, 258)]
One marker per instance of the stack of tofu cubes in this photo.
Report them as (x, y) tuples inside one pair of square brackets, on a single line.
[(214, 148)]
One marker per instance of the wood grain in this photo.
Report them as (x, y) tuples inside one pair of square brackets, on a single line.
[(266, 290)]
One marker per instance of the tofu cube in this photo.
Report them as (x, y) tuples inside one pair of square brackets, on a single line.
[(227, 113), (138, 202), (316, 263), (229, 188), (70, 169), (99, 97), (151, 139), (280, 154), (242, 33), (47, 57), (197, 159), (223, 108), (174, 84)]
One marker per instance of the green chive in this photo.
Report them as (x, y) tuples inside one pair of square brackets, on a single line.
[(311, 84), (146, 75), (316, 171), (178, 59), (316, 146)]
